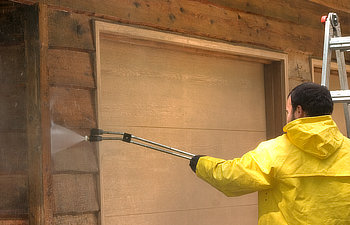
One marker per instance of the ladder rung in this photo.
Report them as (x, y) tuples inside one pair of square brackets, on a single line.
[(340, 43), (342, 96)]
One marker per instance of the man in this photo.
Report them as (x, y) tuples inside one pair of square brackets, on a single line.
[(302, 176)]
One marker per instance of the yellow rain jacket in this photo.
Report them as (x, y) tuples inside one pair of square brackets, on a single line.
[(303, 176)]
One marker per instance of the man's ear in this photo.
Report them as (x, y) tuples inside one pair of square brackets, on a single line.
[(299, 112)]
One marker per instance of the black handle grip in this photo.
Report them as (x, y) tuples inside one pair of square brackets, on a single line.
[(96, 131), (95, 138)]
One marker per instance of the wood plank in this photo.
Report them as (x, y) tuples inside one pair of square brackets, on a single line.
[(46, 215), (72, 107), (70, 68), (81, 157), (307, 13), (13, 195), (14, 222), (69, 30), (75, 193), (339, 5), (86, 219), (13, 153)]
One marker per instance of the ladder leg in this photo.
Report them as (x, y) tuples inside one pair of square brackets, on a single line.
[(343, 78), (327, 53)]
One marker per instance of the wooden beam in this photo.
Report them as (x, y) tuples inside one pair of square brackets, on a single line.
[(190, 18), (38, 121), (339, 5), (45, 116), (14, 222), (301, 12), (273, 24)]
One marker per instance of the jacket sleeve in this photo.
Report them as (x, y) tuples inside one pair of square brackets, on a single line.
[(252, 172)]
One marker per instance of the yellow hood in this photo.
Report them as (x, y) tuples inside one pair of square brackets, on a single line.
[(318, 136)]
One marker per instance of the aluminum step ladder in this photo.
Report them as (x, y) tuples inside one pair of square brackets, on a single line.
[(334, 41)]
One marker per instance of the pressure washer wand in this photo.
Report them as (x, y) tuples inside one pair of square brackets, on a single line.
[(96, 135)]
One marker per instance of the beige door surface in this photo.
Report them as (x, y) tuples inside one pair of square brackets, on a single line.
[(338, 111), (200, 102)]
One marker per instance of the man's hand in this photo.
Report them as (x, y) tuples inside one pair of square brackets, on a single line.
[(194, 161)]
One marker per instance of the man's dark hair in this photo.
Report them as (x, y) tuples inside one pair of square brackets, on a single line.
[(313, 98)]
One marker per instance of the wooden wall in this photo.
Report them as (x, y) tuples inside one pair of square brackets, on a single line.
[(13, 141), (293, 27), (68, 58)]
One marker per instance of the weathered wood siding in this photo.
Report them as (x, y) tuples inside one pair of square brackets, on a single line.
[(72, 89), (13, 138)]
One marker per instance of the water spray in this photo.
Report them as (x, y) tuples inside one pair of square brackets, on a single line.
[(62, 138), (97, 135)]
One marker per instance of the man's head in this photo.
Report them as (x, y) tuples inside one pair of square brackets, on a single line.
[(308, 99)]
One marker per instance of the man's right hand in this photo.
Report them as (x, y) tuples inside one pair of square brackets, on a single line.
[(194, 161)]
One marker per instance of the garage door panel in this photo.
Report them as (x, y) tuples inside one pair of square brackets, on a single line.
[(223, 216), (142, 180), (186, 93), (223, 143), (197, 102)]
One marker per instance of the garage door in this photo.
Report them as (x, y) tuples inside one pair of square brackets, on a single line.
[(198, 101)]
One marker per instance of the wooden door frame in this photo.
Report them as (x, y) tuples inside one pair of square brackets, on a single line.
[(275, 67)]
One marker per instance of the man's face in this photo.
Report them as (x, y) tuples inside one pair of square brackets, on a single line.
[(296, 114), (289, 110)]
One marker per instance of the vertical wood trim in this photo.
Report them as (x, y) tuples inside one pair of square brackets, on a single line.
[(38, 121), (45, 116), (275, 98), (269, 101), (33, 116), (97, 29)]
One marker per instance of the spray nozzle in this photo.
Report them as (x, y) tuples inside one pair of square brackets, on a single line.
[(93, 138), (94, 135)]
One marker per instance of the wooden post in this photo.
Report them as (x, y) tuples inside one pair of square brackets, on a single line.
[(38, 117)]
